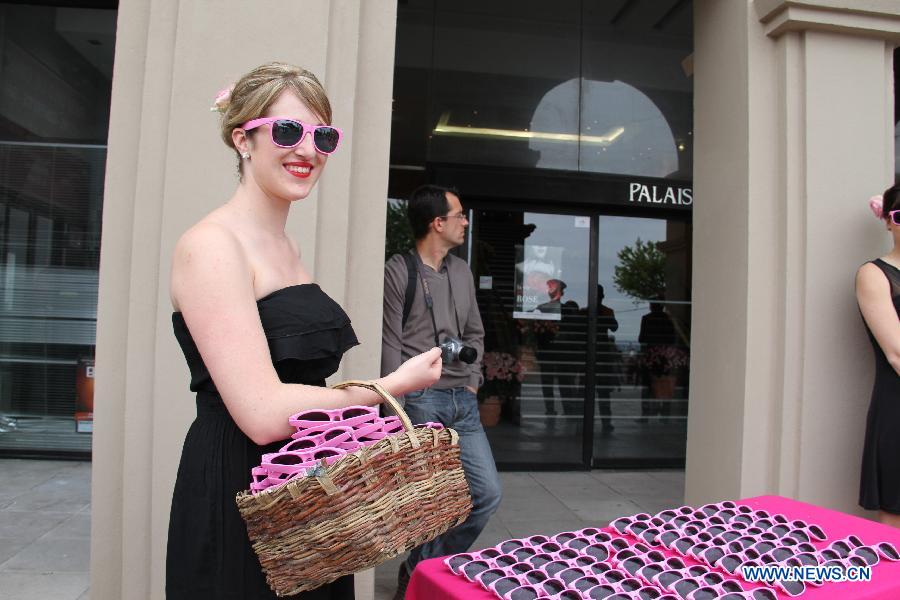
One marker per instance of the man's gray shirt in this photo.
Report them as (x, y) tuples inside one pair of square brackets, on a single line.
[(399, 343)]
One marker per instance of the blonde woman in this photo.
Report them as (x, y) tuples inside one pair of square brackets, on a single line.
[(259, 335), (878, 294)]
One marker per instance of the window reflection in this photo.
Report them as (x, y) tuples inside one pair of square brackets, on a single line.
[(532, 274), (622, 131), (571, 87), (55, 85), (643, 337)]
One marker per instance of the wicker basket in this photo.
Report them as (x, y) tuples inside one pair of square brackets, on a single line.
[(362, 510)]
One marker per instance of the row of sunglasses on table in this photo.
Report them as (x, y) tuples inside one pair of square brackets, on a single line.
[(324, 436), (592, 563)]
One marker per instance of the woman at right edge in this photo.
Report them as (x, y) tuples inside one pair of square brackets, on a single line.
[(878, 294)]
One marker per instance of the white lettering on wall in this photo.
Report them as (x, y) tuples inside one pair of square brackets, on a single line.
[(653, 194)]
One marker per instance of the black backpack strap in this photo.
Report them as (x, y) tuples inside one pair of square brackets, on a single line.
[(410, 286)]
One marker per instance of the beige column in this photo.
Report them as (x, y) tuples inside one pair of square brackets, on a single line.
[(793, 133), (166, 168)]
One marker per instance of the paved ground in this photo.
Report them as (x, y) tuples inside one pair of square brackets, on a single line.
[(45, 529), (45, 514)]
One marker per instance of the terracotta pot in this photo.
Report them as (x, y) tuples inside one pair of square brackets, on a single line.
[(489, 411), (663, 388)]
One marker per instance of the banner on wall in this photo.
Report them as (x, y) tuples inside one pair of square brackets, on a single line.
[(538, 271)]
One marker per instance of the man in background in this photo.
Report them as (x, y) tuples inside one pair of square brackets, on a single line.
[(429, 299)]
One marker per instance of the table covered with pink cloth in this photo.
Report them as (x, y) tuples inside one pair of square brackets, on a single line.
[(432, 580)]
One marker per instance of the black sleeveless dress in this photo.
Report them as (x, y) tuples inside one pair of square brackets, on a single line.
[(209, 554), (879, 487)]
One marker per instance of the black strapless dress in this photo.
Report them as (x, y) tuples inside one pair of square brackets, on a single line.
[(209, 554), (879, 487)]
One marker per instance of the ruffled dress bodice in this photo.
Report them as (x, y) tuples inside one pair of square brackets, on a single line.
[(307, 332)]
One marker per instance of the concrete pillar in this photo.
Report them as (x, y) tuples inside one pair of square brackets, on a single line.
[(166, 168), (794, 132)]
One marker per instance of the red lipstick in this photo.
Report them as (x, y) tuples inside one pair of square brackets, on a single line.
[(301, 170)]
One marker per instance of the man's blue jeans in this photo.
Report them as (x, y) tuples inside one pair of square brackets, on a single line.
[(458, 408)]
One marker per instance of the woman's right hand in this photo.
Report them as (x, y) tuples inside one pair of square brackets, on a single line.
[(419, 372)]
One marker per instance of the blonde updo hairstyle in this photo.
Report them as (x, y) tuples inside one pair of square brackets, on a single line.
[(256, 91)]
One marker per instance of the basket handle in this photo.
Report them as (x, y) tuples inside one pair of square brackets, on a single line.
[(389, 400)]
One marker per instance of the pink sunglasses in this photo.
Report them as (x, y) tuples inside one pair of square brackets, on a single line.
[(349, 415), (851, 546), (523, 592), (730, 589), (489, 577), (288, 133), (633, 565), (696, 589), (329, 437), (289, 463), (893, 216), (583, 584), (628, 585)]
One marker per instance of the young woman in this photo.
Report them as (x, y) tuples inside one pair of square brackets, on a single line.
[(878, 294), (258, 335)]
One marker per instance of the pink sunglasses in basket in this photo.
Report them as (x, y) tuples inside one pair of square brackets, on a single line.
[(319, 419), (328, 437), (285, 464)]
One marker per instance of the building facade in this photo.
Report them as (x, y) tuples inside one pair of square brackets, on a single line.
[(736, 141)]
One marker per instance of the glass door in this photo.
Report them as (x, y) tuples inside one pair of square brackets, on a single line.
[(531, 275), (577, 307), (642, 341)]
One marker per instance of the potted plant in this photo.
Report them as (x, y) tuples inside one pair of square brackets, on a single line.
[(503, 375), (662, 362)]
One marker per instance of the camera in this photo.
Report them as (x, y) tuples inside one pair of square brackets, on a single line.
[(453, 349)]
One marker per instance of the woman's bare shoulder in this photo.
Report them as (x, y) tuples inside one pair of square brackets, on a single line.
[(868, 271), (208, 254), (870, 278), (208, 235)]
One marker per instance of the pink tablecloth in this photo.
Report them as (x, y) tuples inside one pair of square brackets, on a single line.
[(432, 580)]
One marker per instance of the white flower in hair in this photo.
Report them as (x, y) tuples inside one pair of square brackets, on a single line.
[(222, 99)]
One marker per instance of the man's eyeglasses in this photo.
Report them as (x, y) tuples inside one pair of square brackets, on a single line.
[(461, 217)]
